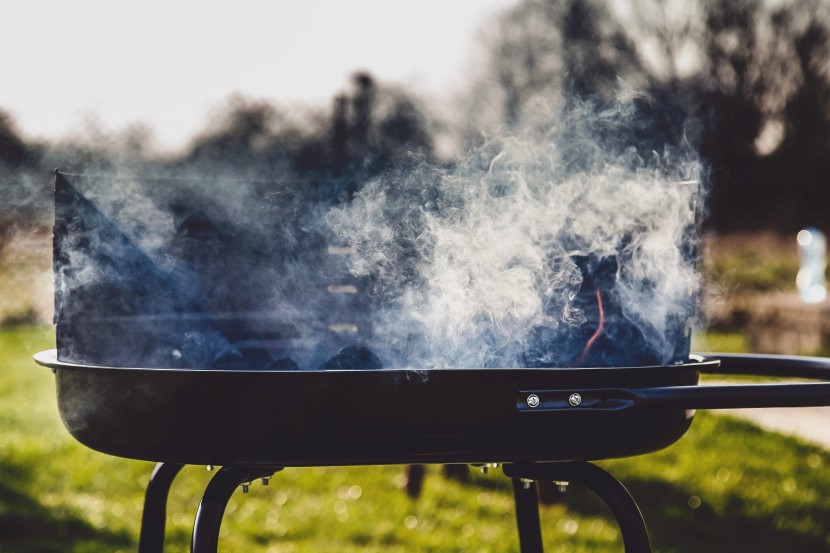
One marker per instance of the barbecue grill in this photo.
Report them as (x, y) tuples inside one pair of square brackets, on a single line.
[(254, 412)]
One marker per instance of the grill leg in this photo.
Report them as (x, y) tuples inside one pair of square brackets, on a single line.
[(527, 516), (151, 538), (212, 506), (608, 488)]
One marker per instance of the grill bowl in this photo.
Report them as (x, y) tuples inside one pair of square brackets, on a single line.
[(315, 418)]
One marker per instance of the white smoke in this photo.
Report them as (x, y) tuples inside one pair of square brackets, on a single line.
[(500, 260), (467, 263)]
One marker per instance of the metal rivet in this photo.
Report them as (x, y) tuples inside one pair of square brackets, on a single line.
[(265, 480), (575, 399), (526, 483), (533, 400), (245, 486), (561, 485)]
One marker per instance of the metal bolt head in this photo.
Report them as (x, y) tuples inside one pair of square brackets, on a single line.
[(245, 486), (533, 400), (265, 480), (575, 399)]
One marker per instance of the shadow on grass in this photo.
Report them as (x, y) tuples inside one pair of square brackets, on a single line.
[(674, 526), (27, 526)]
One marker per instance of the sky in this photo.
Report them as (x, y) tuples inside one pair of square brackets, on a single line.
[(66, 64)]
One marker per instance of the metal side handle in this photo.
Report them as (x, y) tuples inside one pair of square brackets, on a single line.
[(732, 396)]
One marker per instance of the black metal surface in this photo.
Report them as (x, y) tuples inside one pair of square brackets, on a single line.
[(527, 516), (759, 364), (608, 488), (154, 516), (733, 396), (304, 418), (390, 416)]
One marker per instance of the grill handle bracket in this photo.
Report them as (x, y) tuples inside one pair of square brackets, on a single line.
[(592, 400), (731, 396), (678, 397)]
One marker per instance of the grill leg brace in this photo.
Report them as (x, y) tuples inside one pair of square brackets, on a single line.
[(608, 488), (527, 516), (151, 538), (217, 495)]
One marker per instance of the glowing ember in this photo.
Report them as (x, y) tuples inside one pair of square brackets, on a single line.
[(596, 334)]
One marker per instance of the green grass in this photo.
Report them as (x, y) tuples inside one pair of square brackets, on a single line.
[(725, 487), (723, 342)]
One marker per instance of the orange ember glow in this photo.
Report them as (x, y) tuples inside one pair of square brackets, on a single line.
[(596, 334)]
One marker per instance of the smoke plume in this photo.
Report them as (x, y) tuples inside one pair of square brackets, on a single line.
[(547, 249), (500, 260)]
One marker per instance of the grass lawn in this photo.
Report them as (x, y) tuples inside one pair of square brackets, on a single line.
[(725, 487)]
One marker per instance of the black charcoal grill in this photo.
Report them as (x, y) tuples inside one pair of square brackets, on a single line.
[(253, 411)]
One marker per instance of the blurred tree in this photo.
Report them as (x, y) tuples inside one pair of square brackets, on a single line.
[(339, 134), (13, 150), (805, 143), (766, 108), (729, 105), (743, 82), (521, 58), (544, 51), (402, 132), (385, 129), (240, 137), (596, 51), (363, 107), (371, 129), (23, 194)]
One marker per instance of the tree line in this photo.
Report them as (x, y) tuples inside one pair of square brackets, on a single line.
[(744, 84)]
